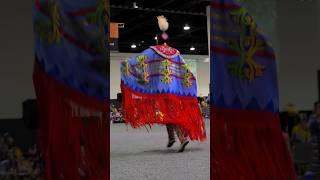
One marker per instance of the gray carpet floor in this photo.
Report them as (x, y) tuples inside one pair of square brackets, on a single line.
[(140, 155)]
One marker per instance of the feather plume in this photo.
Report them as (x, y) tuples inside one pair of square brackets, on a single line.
[(163, 23)]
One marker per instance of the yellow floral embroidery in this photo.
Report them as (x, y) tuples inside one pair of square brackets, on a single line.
[(160, 115), (143, 66), (187, 75), (48, 28), (246, 45), (125, 69), (55, 34), (166, 71)]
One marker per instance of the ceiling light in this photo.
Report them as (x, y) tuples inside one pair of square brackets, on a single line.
[(155, 38), (186, 27), (135, 5), (192, 48), (133, 46), (121, 25)]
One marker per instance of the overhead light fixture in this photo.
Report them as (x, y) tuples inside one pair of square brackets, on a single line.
[(192, 48), (135, 5), (133, 46), (121, 25), (186, 27), (155, 38)]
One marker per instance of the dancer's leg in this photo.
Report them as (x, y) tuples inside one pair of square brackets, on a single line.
[(182, 137), (171, 137)]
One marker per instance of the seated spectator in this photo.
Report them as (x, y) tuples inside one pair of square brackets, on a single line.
[(315, 116), (292, 118), (287, 141), (204, 103), (301, 133), (314, 124), (16, 164), (3, 149), (314, 121), (208, 99), (114, 110)]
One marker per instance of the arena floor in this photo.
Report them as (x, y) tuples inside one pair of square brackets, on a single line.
[(139, 155)]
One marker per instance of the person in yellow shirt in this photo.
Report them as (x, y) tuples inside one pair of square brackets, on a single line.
[(301, 132), (292, 117)]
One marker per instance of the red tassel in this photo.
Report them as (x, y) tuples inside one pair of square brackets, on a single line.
[(248, 145), (147, 109), (71, 143)]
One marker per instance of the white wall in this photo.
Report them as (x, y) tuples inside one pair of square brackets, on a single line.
[(16, 56), (299, 52), (203, 75)]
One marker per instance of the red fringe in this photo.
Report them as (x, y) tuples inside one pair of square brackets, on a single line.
[(61, 134), (248, 145), (142, 109)]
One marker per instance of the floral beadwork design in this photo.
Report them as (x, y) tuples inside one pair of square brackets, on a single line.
[(159, 115), (166, 51), (98, 18), (187, 76), (48, 29), (143, 67), (247, 45), (163, 75), (125, 69), (166, 71)]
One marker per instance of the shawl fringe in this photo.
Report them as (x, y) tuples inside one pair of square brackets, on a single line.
[(147, 109)]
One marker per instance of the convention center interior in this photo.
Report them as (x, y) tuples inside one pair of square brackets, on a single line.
[(142, 153), (151, 90)]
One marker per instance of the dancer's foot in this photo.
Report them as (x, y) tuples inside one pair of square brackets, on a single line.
[(183, 146), (170, 143)]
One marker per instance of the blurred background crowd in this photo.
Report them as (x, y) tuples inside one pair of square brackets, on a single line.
[(16, 164)]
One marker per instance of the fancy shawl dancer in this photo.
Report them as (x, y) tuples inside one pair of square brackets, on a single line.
[(247, 142), (158, 87)]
